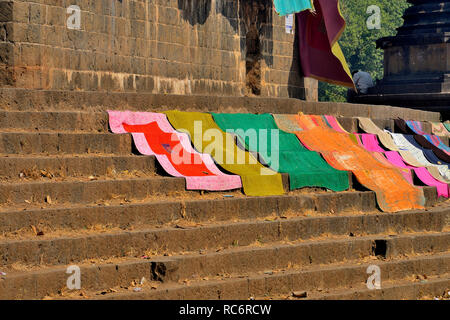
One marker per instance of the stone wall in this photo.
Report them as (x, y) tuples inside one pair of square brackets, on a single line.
[(213, 47)]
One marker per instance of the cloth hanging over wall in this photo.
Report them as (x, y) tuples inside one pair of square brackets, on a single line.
[(387, 141), (440, 129), (283, 152), (207, 137), (447, 126), (418, 155), (429, 142), (285, 7), (422, 173), (334, 124), (153, 135), (438, 143), (416, 127), (320, 53), (370, 143), (429, 154), (368, 126), (393, 191), (441, 154)]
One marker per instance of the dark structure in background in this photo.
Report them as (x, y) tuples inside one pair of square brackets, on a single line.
[(417, 61)]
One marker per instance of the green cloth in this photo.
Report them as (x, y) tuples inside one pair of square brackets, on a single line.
[(447, 125), (207, 137), (287, 155)]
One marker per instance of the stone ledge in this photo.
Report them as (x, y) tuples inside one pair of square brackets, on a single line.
[(15, 99)]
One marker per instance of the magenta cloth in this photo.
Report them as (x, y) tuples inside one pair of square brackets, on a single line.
[(370, 142), (335, 125), (219, 181), (422, 173)]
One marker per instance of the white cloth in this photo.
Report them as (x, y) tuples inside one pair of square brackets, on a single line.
[(363, 81), (405, 145)]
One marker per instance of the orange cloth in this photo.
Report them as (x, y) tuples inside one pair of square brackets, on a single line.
[(393, 191)]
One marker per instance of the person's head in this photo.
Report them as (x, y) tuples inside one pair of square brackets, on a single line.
[(354, 72)]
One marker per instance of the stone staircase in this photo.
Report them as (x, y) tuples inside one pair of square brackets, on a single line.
[(71, 193)]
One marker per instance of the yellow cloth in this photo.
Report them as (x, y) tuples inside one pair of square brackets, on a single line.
[(207, 137)]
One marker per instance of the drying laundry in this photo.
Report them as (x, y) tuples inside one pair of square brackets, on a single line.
[(334, 124), (153, 135), (438, 143), (404, 145), (321, 56), (368, 126), (425, 143), (207, 137), (282, 151), (370, 142), (394, 192), (416, 127), (441, 129)]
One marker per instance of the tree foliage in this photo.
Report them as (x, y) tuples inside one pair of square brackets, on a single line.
[(358, 42)]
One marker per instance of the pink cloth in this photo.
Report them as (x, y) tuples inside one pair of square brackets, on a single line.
[(216, 182), (422, 173), (335, 125), (370, 142)]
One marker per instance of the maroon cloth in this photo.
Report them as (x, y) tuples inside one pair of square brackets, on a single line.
[(318, 31)]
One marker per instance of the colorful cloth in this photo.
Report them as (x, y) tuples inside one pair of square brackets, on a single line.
[(425, 143), (285, 7), (404, 145), (320, 54), (282, 151), (393, 191), (438, 143), (207, 137), (441, 129), (368, 126), (370, 143), (153, 135), (416, 127), (422, 173), (334, 124)]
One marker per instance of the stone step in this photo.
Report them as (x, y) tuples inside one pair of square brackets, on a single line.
[(84, 190), (81, 245), (280, 284), (35, 284), (63, 143), (78, 192), (438, 285), (218, 207), (16, 99), (35, 121), (35, 167), (282, 256)]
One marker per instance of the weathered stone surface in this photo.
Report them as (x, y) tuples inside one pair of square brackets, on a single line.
[(209, 47)]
